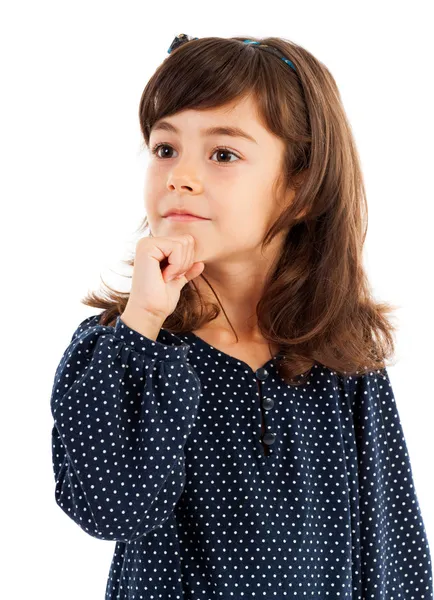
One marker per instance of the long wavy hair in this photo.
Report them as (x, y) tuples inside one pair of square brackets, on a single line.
[(317, 305)]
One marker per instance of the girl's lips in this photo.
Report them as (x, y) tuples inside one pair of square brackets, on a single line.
[(178, 217)]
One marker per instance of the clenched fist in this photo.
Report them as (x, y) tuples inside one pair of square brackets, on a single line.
[(156, 290)]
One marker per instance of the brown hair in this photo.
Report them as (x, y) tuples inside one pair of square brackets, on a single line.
[(317, 304)]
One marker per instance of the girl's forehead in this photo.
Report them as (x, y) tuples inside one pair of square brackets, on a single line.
[(238, 118)]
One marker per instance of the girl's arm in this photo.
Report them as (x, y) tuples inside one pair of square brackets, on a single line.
[(394, 558), (123, 406)]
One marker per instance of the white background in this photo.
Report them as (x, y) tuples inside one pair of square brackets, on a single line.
[(72, 196)]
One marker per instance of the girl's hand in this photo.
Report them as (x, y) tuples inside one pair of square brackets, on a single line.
[(156, 287)]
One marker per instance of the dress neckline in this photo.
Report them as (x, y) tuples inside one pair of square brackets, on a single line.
[(222, 356)]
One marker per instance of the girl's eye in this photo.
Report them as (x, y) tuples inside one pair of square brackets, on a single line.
[(220, 149)]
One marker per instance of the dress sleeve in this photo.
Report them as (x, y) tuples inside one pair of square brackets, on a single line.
[(394, 556), (123, 406)]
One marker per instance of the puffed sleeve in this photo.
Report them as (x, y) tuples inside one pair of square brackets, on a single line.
[(395, 559), (123, 406)]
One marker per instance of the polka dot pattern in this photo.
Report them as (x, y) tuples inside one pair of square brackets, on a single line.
[(217, 481)]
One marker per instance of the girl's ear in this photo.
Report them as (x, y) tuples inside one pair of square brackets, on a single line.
[(301, 214), (299, 178), (297, 182)]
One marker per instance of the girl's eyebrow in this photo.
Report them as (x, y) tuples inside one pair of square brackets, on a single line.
[(217, 130)]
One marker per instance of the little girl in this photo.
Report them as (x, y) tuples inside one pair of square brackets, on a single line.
[(249, 448)]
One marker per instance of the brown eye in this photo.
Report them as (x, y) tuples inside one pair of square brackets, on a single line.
[(157, 147), (225, 151)]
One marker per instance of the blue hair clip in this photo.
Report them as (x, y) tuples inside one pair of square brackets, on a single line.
[(273, 51), (180, 39)]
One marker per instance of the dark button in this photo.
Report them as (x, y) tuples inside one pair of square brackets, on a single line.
[(269, 438), (262, 373), (267, 403)]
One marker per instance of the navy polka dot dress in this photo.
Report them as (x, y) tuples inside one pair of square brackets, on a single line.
[(217, 481)]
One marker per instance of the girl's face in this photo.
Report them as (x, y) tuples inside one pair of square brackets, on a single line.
[(222, 176)]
